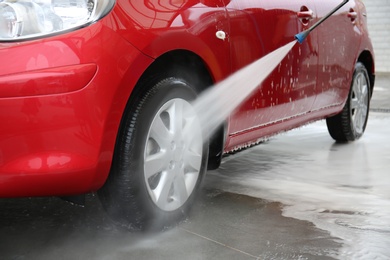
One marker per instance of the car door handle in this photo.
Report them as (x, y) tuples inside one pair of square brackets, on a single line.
[(309, 14), (305, 15), (352, 15)]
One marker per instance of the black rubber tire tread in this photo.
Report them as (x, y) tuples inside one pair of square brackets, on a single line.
[(124, 195), (340, 126)]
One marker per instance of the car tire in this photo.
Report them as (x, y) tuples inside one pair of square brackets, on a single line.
[(160, 158), (351, 122)]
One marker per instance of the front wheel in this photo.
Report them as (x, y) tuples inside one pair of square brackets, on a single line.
[(159, 160), (351, 122)]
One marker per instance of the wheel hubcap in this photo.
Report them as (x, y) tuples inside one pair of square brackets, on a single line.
[(173, 155), (359, 102)]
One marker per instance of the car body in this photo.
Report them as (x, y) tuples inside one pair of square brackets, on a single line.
[(66, 94)]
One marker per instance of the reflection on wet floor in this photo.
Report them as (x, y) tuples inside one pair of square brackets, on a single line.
[(222, 225), (256, 227), (341, 188)]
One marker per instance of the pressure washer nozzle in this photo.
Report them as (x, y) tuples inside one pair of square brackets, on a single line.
[(300, 37)]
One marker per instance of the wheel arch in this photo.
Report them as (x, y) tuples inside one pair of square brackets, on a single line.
[(188, 64), (368, 61)]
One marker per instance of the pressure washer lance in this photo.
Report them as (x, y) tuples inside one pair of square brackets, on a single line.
[(300, 37)]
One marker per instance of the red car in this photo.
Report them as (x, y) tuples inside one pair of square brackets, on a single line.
[(95, 94)]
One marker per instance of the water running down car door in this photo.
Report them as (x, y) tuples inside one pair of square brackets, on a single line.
[(338, 47), (258, 28)]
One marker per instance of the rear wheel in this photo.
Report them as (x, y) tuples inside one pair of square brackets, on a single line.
[(159, 160), (351, 123)]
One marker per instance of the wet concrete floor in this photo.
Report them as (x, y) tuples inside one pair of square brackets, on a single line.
[(222, 226), (297, 196)]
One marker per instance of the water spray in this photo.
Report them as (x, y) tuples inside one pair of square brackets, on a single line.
[(215, 104), (300, 37)]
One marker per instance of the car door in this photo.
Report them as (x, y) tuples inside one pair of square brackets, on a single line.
[(339, 40), (258, 27)]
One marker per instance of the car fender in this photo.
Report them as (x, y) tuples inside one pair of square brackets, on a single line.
[(192, 27)]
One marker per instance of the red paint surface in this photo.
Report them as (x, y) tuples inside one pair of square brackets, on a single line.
[(62, 97)]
